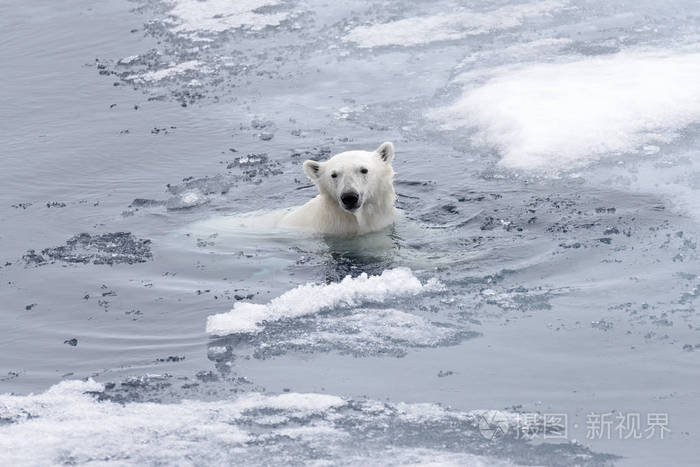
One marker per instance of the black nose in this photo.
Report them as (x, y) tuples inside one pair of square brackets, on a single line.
[(349, 199)]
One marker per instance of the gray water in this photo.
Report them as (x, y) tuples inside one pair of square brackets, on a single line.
[(569, 263)]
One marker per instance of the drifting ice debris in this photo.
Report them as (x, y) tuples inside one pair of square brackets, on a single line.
[(317, 153), (207, 185), (169, 72), (77, 422), (128, 60), (254, 166), (109, 248), (188, 199), (249, 160), (602, 325), (145, 203), (312, 298), (195, 192)]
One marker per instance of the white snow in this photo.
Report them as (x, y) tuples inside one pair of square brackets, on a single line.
[(222, 15), (312, 298), (554, 116), (480, 61), (448, 26), (66, 424), (128, 60), (419, 457), (173, 70)]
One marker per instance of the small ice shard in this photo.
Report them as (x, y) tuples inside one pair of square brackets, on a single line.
[(187, 199)]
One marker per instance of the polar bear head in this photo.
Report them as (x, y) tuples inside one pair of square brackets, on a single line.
[(361, 182)]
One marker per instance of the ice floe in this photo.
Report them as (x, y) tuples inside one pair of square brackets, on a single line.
[(222, 15), (312, 298), (171, 71), (69, 424), (358, 332), (448, 26), (556, 116)]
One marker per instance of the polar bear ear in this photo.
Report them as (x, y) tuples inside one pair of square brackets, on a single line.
[(312, 169), (386, 152)]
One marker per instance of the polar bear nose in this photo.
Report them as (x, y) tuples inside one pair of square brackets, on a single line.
[(349, 199)]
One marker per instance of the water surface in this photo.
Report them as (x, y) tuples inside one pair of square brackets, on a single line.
[(547, 173)]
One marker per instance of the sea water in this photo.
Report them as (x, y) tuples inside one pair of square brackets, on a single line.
[(535, 303)]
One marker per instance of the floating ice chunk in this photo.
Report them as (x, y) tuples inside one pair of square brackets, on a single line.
[(159, 75), (311, 298), (419, 412), (359, 332), (128, 60), (296, 404), (216, 350), (67, 424), (419, 457), (452, 26), (187, 199), (108, 248), (650, 149), (372, 327), (561, 115), (480, 61), (222, 15)]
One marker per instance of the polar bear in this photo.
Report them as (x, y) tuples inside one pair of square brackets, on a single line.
[(356, 194)]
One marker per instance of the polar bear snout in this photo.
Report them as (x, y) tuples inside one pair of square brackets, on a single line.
[(350, 200)]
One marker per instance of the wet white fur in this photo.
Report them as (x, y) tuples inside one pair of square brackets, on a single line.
[(325, 214)]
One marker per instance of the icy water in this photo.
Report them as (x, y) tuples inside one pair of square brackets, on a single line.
[(535, 304)]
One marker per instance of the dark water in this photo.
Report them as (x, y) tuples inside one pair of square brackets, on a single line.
[(569, 272)]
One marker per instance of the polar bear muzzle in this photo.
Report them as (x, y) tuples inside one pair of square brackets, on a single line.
[(350, 200)]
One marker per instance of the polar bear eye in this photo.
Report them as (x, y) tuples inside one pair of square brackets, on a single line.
[(334, 175), (363, 170)]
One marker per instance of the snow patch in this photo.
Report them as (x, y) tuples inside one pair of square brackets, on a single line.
[(68, 425), (165, 73), (418, 457), (222, 15), (128, 60), (452, 26), (556, 116), (311, 298)]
